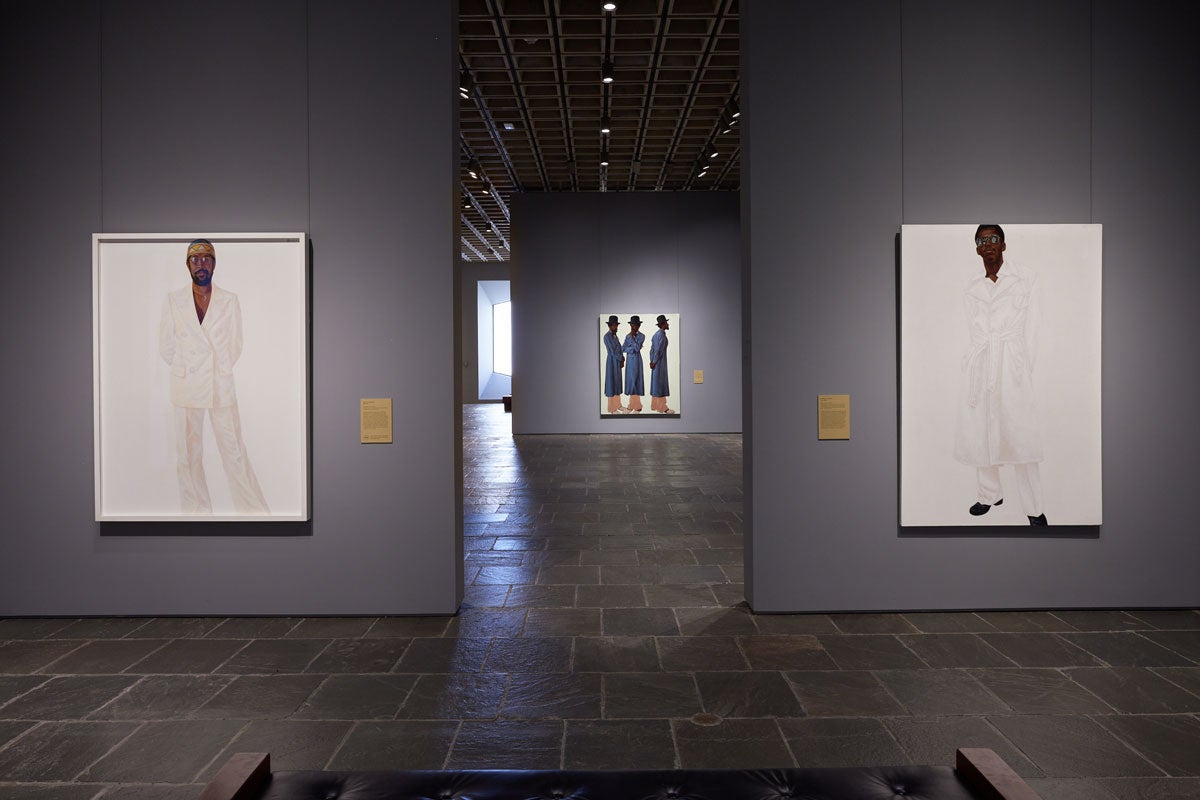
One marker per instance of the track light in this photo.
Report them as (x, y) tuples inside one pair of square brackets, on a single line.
[(605, 124), (734, 110), (713, 154), (487, 188), (604, 157), (473, 168), (609, 6), (465, 84), (606, 72)]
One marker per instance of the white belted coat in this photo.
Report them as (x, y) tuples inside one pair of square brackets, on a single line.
[(998, 418)]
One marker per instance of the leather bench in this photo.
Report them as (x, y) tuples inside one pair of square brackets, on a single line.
[(979, 774)]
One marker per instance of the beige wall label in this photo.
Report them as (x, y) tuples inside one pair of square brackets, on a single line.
[(833, 416), (375, 420), (697, 376)]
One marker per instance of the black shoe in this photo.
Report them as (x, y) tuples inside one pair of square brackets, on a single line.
[(979, 509), (1039, 520)]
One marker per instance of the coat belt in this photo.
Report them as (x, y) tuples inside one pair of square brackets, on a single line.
[(984, 361)]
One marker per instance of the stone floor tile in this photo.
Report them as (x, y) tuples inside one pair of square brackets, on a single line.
[(609, 558), (792, 623), (785, 652), (260, 697), (682, 574), (1040, 691), (253, 628), (1039, 650), (620, 574), (948, 622), (293, 744), (32, 628), (1087, 620), (188, 656), (331, 628), (1072, 747), (562, 596), (273, 656), (1124, 649), (100, 628), (71, 697), (1070, 788), (508, 744), (715, 621), (454, 696), (496, 575), (842, 693), (86, 791), (1151, 788), (731, 744), (351, 697), (602, 596), (1186, 677), (940, 692), (11, 729), (359, 655), (177, 627), (408, 627), (465, 654), (1136, 690), (484, 596), (562, 622), (955, 650), (1024, 621), (640, 695), (162, 697), (701, 653), (59, 751), (934, 740), (1186, 643), (486, 622), (12, 686), (667, 557), (870, 652), (396, 745), (817, 742), (639, 622), (24, 657), (153, 754), (615, 654), (671, 596), (618, 744), (549, 696), (530, 654), (871, 623), (747, 694), (1181, 619), (1172, 742)]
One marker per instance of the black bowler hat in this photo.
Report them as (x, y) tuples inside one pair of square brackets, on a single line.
[(612, 320), (661, 319), (635, 320)]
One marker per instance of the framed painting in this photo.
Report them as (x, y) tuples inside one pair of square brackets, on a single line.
[(200, 368), (1000, 406), (639, 365)]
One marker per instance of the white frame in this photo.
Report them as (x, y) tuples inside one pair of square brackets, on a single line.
[(288, 256), (649, 327)]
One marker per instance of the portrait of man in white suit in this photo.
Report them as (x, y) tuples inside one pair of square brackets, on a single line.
[(200, 339)]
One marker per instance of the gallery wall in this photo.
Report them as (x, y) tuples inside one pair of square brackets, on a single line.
[(953, 112), (221, 117), (577, 255)]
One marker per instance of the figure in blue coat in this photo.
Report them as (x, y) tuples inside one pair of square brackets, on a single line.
[(613, 363), (634, 384), (660, 387)]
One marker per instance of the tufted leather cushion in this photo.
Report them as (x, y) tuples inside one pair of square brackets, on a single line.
[(867, 783)]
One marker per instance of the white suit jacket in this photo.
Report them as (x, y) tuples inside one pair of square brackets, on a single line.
[(201, 356)]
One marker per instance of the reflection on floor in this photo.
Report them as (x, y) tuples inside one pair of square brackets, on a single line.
[(603, 627)]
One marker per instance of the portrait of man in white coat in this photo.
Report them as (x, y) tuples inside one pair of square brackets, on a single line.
[(200, 339), (1000, 408), (998, 423)]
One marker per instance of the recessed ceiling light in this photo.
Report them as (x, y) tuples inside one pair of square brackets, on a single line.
[(508, 126)]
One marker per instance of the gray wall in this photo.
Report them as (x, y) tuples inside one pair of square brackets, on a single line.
[(947, 112), (228, 116), (578, 255)]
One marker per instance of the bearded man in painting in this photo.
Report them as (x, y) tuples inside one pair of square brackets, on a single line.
[(200, 337), (998, 420)]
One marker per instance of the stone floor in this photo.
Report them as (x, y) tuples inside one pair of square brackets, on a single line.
[(603, 627)]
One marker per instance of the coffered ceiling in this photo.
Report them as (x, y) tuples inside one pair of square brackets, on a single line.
[(535, 100)]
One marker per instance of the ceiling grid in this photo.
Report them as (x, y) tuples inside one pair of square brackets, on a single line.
[(531, 118)]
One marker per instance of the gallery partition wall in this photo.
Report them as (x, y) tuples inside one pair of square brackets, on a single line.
[(951, 112), (237, 117)]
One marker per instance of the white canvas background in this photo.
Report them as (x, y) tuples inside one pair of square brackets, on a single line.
[(136, 439), (649, 327), (937, 261)]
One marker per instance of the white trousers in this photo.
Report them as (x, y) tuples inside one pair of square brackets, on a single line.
[(1029, 486), (189, 444)]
